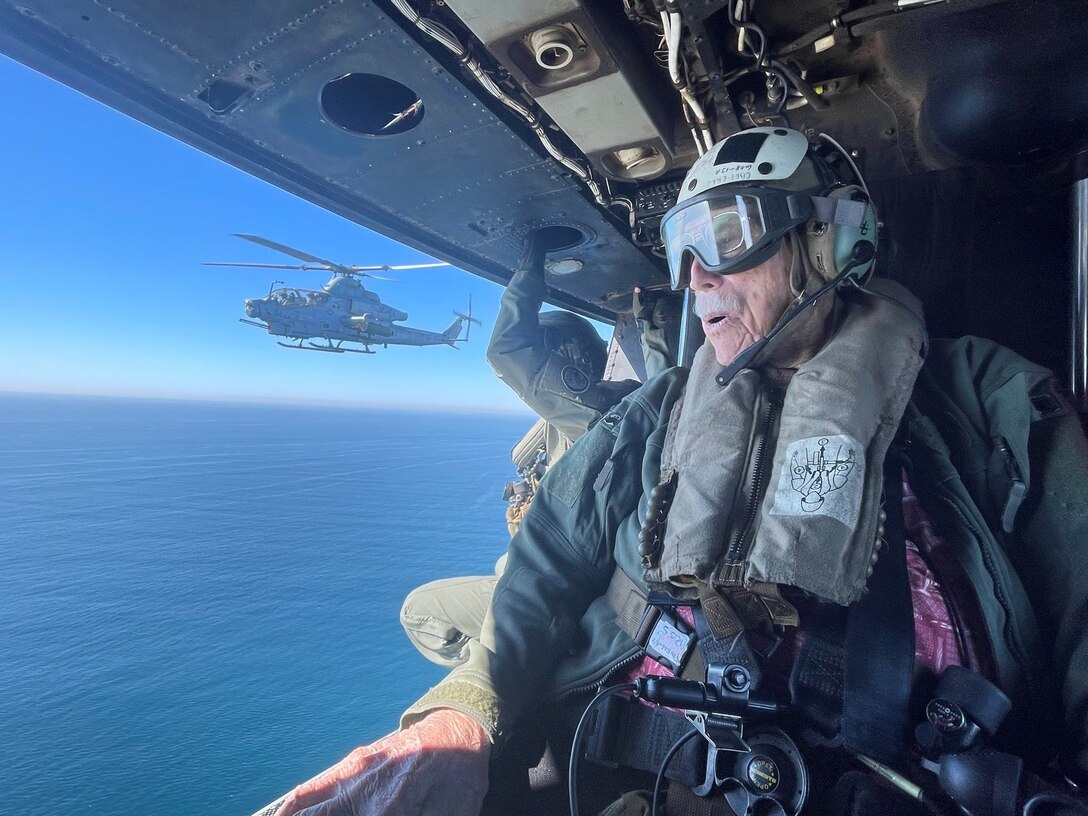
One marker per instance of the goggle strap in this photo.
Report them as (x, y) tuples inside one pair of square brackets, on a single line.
[(842, 211), (776, 210), (799, 206)]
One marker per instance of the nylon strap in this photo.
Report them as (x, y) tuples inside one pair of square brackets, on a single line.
[(880, 640), (720, 629), (628, 600), (637, 736), (721, 640), (681, 801), (816, 677), (839, 211)]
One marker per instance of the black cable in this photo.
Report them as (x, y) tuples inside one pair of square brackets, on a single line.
[(576, 748), (673, 751), (782, 72), (862, 256), (747, 27), (777, 74), (802, 86)]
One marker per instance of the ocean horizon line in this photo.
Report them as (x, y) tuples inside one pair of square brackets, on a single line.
[(229, 399)]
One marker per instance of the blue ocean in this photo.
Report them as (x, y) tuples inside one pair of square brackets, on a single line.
[(198, 601)]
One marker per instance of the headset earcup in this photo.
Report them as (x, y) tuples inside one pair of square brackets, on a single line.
[(831, 246)]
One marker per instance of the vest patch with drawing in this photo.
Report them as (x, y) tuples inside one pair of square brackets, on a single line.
[(822, 476)]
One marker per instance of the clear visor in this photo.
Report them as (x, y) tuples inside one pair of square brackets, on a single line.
[(719, 232)]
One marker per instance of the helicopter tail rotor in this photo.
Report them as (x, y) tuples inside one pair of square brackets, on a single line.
[(455, 328)]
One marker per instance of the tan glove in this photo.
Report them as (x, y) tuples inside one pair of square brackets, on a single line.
[(515, 513), (437, 766)]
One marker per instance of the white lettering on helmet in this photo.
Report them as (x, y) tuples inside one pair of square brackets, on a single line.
[(727, 174)]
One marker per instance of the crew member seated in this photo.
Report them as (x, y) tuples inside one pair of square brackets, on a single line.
[(555, 362), (835, 531)]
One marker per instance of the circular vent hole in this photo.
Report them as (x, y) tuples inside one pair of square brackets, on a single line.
[(557, 238), (371, 105)]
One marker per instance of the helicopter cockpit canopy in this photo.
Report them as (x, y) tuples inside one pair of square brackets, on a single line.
[(287, 297), (298, 297)]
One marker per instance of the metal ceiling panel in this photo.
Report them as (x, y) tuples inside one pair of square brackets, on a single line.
[(243, 81)]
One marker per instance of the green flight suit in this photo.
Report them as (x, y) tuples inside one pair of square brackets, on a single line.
[(521, 359), (442, 617), (981, 419)]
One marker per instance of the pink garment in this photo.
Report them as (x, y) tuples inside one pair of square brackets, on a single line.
[(935, 643), (938, 642)]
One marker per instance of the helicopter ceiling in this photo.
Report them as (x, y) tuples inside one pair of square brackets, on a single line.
[(317, 263)]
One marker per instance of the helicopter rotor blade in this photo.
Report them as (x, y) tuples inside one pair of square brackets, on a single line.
[(260, 265), (294, 253), (324, 264), (397, 268), (417, 266)]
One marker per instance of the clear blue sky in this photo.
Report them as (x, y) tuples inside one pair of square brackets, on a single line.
[(105, 224)]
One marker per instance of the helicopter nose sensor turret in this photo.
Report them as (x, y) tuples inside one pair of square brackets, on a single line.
[(253, 308)]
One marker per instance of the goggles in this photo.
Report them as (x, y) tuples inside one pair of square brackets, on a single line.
[(729, 230)]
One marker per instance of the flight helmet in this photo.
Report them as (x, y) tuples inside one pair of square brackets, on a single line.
[(750, 191), (574, 338)]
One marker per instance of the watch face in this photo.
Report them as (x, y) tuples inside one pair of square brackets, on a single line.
[(574, 379), (945, 715)]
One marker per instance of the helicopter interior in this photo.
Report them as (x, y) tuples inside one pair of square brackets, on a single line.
[(460, 126)]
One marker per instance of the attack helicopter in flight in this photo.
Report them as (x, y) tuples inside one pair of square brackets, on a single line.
[(342, 311)]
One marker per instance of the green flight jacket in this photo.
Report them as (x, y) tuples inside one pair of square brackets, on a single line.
[(521, 360), (981, 420)]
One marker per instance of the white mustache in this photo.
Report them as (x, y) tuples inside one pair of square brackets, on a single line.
[(717, 303)]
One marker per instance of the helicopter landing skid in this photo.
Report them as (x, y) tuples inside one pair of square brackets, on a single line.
[(329, 348)]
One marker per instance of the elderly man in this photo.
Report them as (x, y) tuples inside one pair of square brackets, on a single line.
[(809, 520)]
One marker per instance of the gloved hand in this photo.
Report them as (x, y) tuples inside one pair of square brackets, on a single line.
[(642, 307), (534, 255), (437, 766)]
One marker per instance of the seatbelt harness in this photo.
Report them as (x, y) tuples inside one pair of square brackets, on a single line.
[(852, 677), (880, 640)]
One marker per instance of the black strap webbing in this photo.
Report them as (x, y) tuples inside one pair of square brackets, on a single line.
[(724, 651), (629, 602), (636, 736), (880, 641)]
